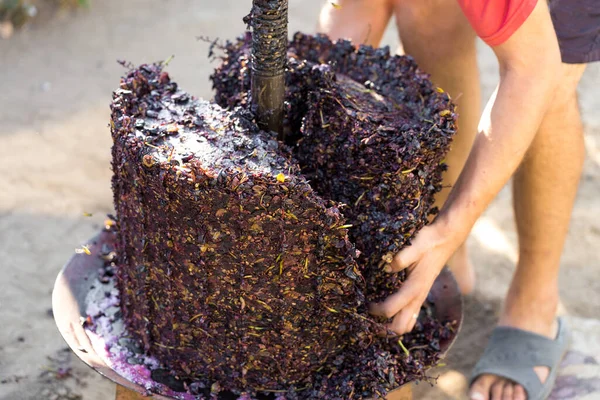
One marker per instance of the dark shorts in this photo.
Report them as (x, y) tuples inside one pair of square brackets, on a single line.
[(577, 25)]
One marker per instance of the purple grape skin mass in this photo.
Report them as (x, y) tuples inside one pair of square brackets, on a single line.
[(215, 243), (239, 280), (373, 135)]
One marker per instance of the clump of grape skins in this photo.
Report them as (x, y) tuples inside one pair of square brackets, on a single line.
[(245, 265)]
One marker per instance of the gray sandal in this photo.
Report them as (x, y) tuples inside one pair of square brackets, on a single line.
[(512, 353)]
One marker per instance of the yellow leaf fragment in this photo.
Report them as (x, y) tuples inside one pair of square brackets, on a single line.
[(281, 266), (84, 250), (280, 177), (195, 317), (344, 226)]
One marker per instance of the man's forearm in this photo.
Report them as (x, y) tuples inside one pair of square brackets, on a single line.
[(508, 126)]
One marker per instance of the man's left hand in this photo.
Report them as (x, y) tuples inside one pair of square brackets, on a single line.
[(423, 260)]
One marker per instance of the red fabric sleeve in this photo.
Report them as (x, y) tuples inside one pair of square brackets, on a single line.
[(496, 20)]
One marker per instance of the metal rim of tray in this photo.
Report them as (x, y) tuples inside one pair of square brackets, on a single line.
[(74, 282)]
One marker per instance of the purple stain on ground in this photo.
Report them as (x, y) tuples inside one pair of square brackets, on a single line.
[(571, 387), (577, 358)]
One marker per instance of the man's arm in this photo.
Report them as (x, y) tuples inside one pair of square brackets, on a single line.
[(529, 67)]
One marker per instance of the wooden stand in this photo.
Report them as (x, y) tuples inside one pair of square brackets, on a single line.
[(125, 394), (404, 393)]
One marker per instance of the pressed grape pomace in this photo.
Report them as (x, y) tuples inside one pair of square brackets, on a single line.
[(238, 262), (372, 131)]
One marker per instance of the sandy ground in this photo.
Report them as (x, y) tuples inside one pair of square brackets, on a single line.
[(56, 79)]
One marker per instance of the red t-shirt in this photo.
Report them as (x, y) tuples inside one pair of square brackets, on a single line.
[(496, 20)]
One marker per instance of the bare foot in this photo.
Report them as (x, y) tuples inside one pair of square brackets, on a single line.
[(463, 271), (523, 312)]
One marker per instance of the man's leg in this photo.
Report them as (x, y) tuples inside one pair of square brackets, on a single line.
[(438, 36), (362, 21), (544, 190)]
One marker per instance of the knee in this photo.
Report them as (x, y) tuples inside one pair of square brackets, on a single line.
[(362, 21), (565, 94), (441, 21)]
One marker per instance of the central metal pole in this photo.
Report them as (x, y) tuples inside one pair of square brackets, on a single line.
[(269, 22)]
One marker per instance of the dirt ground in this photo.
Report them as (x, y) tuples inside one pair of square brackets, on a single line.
[(56, 79)]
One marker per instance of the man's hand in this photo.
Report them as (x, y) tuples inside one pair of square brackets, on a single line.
[(423, 261)]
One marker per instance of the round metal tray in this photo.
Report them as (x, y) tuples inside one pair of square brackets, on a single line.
[(77, 277)]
